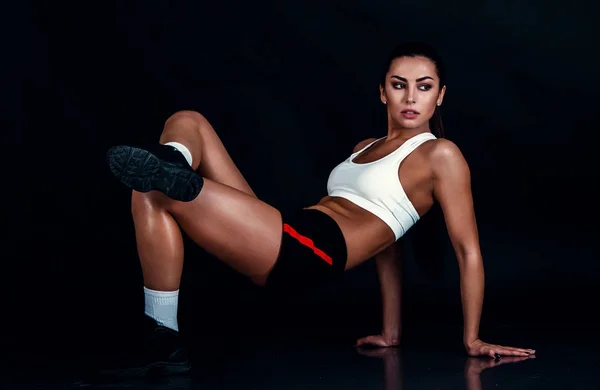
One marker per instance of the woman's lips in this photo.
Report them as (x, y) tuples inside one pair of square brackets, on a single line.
[(410, 114)]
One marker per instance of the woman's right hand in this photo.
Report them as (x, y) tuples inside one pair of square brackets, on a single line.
[(377, 341)]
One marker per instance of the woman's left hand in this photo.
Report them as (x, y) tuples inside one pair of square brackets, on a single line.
[(479, 348)]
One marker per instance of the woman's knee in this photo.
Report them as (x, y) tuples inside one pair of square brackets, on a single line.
[(143, 203), (186, 118)]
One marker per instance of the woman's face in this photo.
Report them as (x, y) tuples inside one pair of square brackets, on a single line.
[(411, 92)]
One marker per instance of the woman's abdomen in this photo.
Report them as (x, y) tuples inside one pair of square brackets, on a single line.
[(365, 234)]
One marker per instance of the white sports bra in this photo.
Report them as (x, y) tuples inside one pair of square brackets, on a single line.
[(376, 187)]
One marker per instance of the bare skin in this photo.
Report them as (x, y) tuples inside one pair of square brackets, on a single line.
[(230, 222)]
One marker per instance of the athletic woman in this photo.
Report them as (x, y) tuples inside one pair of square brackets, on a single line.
[(188, 181)]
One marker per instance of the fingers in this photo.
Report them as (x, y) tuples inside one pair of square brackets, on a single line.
[(510, 351), (519, 351), (499, 351), (530, 351), (363, 341), (371, 340)]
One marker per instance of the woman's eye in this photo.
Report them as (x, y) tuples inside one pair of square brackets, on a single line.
[(424, 87)]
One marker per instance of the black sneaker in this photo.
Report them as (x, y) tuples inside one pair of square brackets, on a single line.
[(162, 354), (157, 167)]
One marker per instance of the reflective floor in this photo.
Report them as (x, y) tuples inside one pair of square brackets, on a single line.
[(565, 359)]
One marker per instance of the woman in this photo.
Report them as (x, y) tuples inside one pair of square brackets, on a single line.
[(189, 181)]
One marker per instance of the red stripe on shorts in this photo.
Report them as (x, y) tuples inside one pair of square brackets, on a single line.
[(307, 242)]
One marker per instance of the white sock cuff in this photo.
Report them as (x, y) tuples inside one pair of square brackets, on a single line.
[(183, 150), (161, 294)]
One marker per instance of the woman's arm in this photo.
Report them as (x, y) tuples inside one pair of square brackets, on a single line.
[(389, 267), (452, 189)]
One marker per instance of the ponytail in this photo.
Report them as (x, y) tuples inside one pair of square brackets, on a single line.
[(435, 123)]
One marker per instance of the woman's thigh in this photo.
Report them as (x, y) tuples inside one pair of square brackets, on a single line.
[(235, 227)]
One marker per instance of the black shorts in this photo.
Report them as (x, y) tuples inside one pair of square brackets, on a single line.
[(313, 251)]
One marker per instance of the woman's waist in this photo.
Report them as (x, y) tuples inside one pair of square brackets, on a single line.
[(365, 233), (346, 209)]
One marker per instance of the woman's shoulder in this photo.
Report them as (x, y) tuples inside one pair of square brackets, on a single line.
[(442, 148), (445, 154), (363, 143)]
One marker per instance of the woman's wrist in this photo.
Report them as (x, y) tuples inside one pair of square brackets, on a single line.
[(391, 337), (468, 341)]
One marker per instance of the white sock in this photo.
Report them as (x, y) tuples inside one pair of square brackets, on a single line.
[(185, 151), (162, 307)]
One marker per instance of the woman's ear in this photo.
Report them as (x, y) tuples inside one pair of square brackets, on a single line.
[(440, 98), (382, 95)]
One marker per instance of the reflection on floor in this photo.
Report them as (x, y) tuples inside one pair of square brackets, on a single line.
[(565, 359)]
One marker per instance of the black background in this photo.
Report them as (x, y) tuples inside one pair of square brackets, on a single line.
[(291, 87)]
